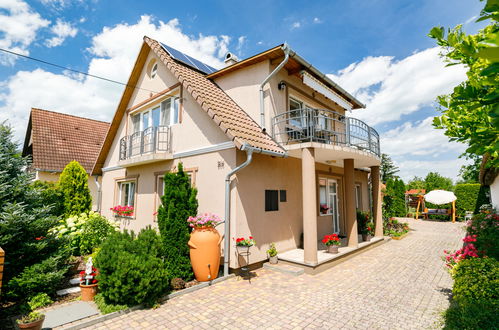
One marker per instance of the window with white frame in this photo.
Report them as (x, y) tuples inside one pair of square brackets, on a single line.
[(126, 193), (358, 196), (164, 114), (328, 200)]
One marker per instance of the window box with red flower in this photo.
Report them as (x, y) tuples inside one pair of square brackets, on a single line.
[(125, 211)]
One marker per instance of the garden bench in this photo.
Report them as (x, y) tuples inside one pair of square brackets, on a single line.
[(428, 212)]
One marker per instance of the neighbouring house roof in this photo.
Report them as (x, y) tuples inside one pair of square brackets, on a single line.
[(416, 192), (54, 139), (295, 65), (227, 115)]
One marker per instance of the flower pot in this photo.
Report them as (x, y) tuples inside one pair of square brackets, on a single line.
[(273, 260), (332, 249), (205, 253), (37, 325), (88, 292), (366, 237)]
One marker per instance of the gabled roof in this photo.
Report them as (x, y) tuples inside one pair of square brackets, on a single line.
[(227, 115), (54, 139)]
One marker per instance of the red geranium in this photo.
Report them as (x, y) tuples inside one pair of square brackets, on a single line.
[(332, 239)]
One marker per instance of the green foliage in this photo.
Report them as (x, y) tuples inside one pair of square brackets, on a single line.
[(106, 308), (486, 228), (466, 315), (388, 169), (470, 173), (363, 219), (39, 301), (85, 232), (394, 228), (470, 114), (131, 268), (49, 195), (73, 183), (177, 204), (416, 183), (477, 279), (272, 251), (469, 198), (31, 317), (435, 181), (394, 199), (46, 276)]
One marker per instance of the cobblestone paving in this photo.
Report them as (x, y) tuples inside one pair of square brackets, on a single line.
[(398, 285)]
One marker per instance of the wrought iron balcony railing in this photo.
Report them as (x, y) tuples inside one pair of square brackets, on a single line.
[(150, 140), (324, 126)]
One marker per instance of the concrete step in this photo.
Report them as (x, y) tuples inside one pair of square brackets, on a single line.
[(282, 268), (66, 291), (75, 281)]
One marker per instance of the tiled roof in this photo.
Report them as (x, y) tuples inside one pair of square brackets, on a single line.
[(415, 192), (59, 138), (233, 120)]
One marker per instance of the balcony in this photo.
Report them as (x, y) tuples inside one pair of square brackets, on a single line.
[(324, 126), (151, 144)]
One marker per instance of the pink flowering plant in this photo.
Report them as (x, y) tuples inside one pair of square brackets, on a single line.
[(204, 220), (468, 251), (122, 211)]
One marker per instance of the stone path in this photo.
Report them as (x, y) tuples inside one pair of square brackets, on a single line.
[(398, 285)]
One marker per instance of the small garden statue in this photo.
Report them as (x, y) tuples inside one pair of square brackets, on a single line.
[(88, 283)]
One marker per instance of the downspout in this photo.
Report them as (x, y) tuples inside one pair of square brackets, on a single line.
[(286, 50), (99, 193), (249, 157)]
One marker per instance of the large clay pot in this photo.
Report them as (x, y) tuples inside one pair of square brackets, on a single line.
[(205, 253), (332, 249), (37, 325), (88, 292)]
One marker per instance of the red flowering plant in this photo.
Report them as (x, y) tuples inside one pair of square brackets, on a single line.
[(332, 239), (88, 279), (122, 211), (204, 220), (469, 250), (241, 241)]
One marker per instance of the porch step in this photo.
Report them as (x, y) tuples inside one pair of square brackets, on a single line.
[(283, 268), (75, 281), (66, 291)]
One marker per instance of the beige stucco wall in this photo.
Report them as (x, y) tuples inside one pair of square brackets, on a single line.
[(54, 177)]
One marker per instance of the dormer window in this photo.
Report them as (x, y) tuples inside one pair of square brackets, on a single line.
[(154, 70)]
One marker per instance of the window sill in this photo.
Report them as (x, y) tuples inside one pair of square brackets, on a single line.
[(125, 217)]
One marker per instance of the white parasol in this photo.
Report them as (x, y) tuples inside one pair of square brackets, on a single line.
[(440, 197)]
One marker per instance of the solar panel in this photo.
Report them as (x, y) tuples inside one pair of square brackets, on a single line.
[(188, 60)]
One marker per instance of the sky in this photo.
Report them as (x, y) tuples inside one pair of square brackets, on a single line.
[(378, 50)]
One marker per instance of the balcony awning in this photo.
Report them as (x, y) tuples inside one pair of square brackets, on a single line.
[(318, 86)]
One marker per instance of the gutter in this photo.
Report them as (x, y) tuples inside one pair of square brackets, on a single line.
[(249, 158), (286, 51), (99, 192)]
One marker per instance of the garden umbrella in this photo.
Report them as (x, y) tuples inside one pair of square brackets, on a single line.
[(440, 197)]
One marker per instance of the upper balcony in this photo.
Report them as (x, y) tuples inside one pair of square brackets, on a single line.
[(149, 145), (324, 126)]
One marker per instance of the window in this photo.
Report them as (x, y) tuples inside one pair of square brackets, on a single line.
[(282, 196), (358, 196), (154, 70), (271, 200), (165, 114), (296, 115), (126, 193), (328, 200)]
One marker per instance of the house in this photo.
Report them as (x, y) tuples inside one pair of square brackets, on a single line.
[(54, 139), (267, 141)]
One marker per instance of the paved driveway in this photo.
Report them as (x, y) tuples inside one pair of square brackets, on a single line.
[(398, 285)]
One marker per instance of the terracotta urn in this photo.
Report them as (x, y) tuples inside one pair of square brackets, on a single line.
[(37, 325), (205, 253), (88, 292), (332, 249)]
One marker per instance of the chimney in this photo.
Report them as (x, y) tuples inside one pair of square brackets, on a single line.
[(230, 59)]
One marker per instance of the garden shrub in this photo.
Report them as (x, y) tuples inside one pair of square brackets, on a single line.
[(477, 279), (470, 197), (485, 225), (73, 183), (177, 204), (106, 308), (44, 277), (394, 228), (39, 301), (394, 199), (85, 231), (131, 268), (468, 315), (49, 195)]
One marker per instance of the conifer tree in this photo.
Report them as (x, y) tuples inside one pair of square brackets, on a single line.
[(73, 183), (178, 203)]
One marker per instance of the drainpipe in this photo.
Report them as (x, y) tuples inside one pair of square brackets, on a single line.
[(287, 51), (99, 192), (249, 157)]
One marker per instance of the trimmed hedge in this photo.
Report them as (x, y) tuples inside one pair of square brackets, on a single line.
[(477, 279), (470, 196)]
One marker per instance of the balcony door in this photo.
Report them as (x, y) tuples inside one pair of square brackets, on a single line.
[(328, 201)]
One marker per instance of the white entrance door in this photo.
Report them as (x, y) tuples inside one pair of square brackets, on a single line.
[(333, 204)]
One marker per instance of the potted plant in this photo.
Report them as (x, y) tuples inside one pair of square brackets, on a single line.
[(368, 231), (332, 242), (88, 282), (272, 252), (204, 246), (34, 320), (243, 244)]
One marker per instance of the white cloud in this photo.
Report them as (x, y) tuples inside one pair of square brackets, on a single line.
[(393, 88), (414, 167), (295, 25), (18, 27), (114, 51), (317, 20), (62, 30), (418, 139)]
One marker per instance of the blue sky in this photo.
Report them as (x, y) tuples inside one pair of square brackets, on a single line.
[(376, 49)]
